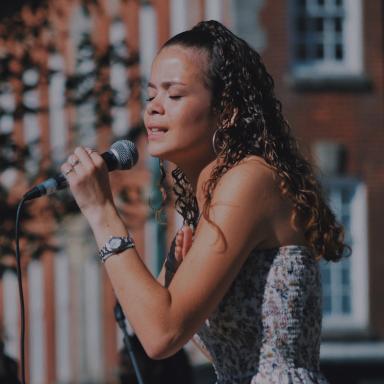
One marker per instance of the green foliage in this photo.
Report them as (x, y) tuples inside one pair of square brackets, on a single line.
[(11, 157), (89, 84)]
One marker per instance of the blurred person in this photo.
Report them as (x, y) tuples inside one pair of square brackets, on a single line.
[(242, 274)]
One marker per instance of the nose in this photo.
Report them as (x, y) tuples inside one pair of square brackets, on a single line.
[(155, 107)]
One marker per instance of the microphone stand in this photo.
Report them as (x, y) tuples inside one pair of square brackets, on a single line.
[(120, 319)]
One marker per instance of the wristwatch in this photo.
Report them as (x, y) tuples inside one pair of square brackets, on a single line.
[(115, 245)]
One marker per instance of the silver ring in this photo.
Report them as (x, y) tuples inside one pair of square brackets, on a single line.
[(90, 150), (69, 170), (73, 160)]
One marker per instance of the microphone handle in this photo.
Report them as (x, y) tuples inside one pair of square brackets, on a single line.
[(59, 181)]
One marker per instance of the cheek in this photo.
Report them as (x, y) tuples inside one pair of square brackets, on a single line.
[(145, 116), (196, 115)]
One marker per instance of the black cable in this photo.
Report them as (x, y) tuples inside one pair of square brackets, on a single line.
[(20, 284), (118, 312), (120, 319)]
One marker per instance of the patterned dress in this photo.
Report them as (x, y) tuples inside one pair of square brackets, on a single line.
[(266, 329)]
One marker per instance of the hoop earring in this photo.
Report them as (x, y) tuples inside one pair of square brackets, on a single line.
[(215, 150)]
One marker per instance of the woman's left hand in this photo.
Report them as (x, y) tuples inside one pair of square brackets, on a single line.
[(88, 180), (183, 243)]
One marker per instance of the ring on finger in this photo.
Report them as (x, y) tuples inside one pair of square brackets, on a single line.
[(90, 150), (69, 170), (73, 161)]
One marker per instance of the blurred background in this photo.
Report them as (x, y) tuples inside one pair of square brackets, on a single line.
[(74, 72)]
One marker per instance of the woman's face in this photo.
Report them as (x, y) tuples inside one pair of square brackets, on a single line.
[(179, 117)]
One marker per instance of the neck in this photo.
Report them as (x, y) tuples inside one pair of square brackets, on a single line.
[(197, 173)]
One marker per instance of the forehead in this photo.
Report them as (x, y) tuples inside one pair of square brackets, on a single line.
[(177, 63)]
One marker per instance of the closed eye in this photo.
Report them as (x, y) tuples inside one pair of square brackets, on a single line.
[(175, 97)]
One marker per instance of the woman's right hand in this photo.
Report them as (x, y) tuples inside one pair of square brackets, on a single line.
[(88, 180)]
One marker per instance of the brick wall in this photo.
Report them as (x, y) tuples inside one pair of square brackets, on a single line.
[(351, 117)]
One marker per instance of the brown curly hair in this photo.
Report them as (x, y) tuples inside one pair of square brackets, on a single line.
[(250, 122)]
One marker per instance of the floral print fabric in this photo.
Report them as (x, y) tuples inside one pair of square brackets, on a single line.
[(266, 330)]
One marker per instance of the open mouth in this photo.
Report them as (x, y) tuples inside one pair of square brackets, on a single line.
[(157, 130)]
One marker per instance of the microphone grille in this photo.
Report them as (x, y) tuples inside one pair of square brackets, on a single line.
[(126, 153)]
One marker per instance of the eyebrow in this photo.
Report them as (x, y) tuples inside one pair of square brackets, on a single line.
[(166, 84)]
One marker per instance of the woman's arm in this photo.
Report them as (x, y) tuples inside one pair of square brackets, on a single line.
[(166, 318)]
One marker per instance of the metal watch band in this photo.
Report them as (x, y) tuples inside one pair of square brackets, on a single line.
[(114, 246)]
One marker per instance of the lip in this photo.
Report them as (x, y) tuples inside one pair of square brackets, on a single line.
[(156, 132)]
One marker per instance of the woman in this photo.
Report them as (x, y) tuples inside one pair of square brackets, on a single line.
[(248, 284)]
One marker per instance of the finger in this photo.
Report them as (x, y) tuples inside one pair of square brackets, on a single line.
[(96, 157), (73, 160), (85, 158), (90, 150), (178, 254), (66, 173), (66, 169), (179, 238), (178, 246), (187, 240)]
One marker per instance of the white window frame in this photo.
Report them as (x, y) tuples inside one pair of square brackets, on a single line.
[(352, 42), (358, 319)]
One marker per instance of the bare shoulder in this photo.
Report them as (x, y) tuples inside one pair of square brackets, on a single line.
[(247, 198), (251, 177)]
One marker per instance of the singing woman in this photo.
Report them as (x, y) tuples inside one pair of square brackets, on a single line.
[(246, 280)]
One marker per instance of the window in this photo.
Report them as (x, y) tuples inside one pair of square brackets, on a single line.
[(326, 37), (345, 284)]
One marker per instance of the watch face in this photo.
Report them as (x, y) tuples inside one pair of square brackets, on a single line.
[(114, 243)]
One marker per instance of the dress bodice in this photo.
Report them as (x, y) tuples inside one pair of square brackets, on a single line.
[(267, 327)]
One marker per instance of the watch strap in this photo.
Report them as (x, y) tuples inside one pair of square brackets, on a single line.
[(105, 252)]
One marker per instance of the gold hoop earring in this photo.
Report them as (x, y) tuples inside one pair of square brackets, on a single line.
[(215, 150)]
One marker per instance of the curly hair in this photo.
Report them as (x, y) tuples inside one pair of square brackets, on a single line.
[(250, 122)]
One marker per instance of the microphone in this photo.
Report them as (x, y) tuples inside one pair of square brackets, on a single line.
[(122, 155)]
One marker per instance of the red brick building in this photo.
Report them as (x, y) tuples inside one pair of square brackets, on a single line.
[(341, 104), (327, 59)]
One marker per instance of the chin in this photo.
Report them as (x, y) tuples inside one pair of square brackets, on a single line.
[(159, 151)]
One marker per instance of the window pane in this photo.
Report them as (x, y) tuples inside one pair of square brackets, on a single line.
[(319, 24), (319, 51), (338, 22), (301, 24), (345, 277), (327, 306), (339, 52), (301, 52), (346, 220), (325, 275), (347, 195), (301, 4), (346, 304), (339, 3)]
